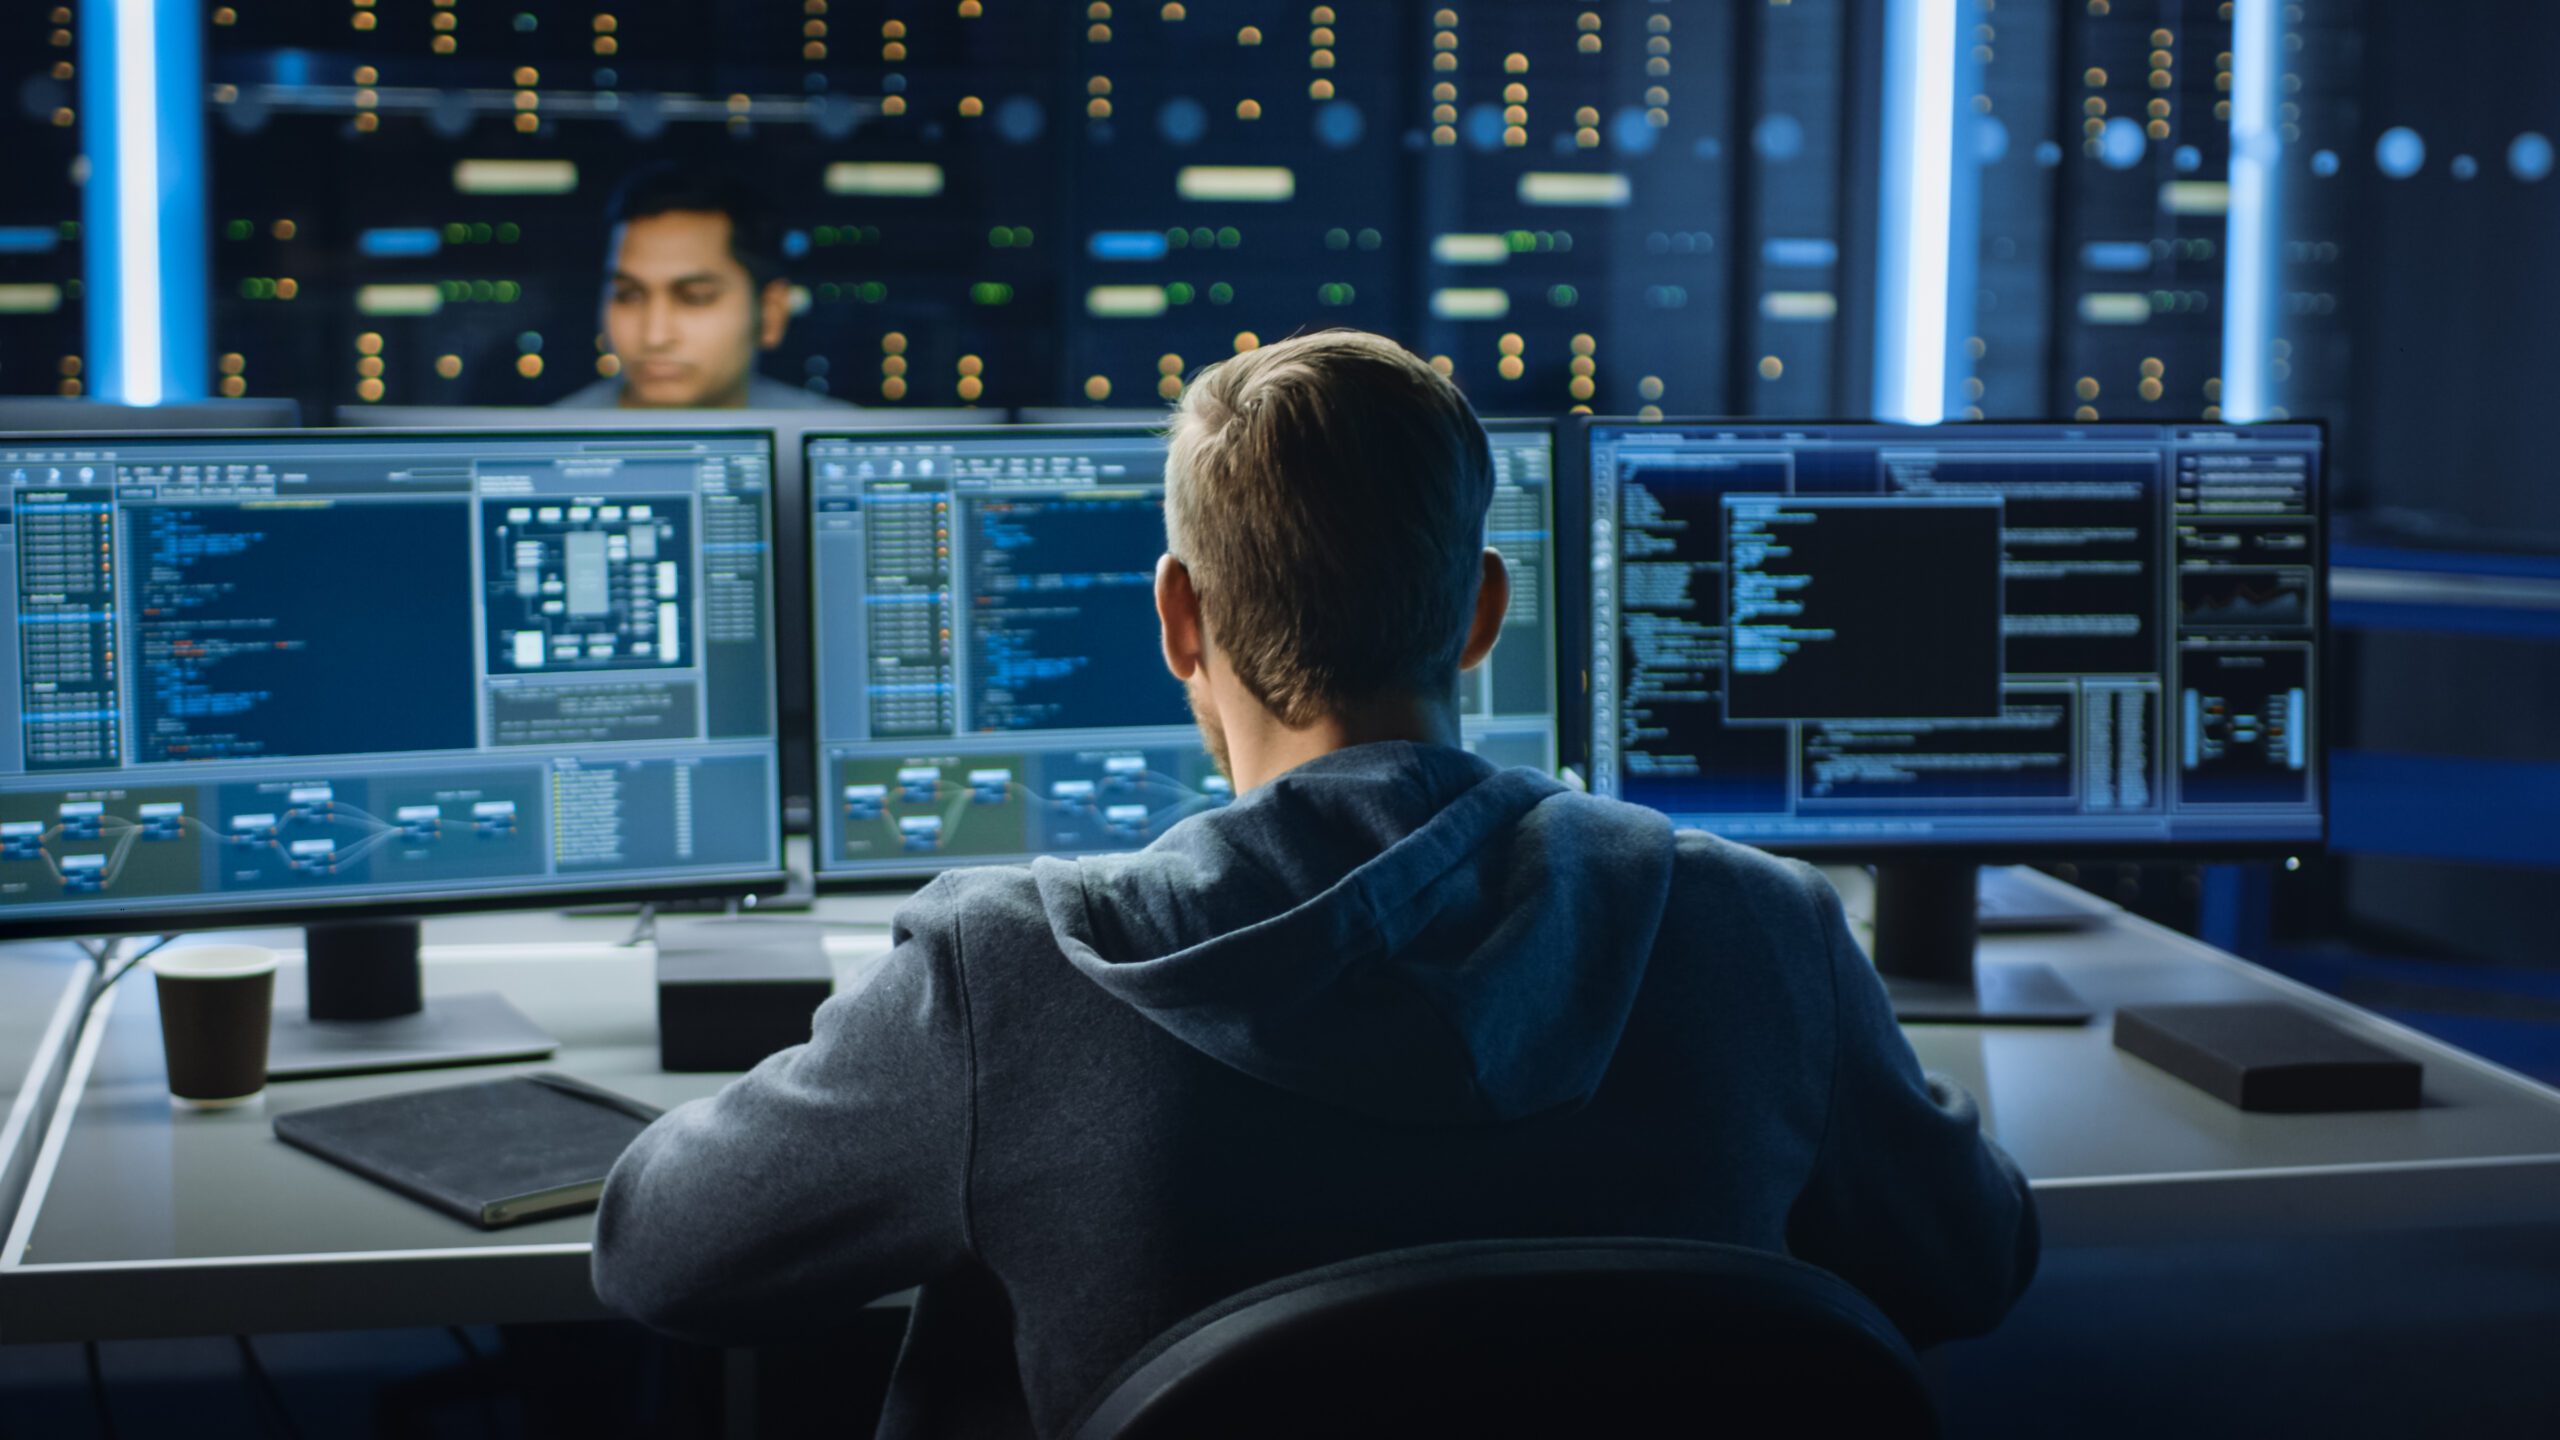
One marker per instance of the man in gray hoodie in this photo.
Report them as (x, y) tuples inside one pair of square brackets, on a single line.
[(1391, 995)]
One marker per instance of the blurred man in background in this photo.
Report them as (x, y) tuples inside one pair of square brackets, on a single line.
[(693, 289)]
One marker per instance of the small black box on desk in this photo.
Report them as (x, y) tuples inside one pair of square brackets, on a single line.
[(2268, 1056), (731, 993)]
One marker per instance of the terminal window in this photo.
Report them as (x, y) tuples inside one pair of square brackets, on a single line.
[(990, 681), (383, 667), (255, 622), (1835, 635), (1842, 607), (1052, 580)]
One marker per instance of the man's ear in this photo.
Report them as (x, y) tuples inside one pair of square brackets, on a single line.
[(1493, 601), (773, 313), (1178, 614)]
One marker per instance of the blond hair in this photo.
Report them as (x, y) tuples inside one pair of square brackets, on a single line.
[(1328, 494)]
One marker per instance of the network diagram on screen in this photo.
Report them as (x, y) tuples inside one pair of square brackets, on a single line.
[(990, 685), (248, 671), (1870, 634)]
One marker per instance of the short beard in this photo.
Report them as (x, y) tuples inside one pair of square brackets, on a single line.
[(1212, 734)]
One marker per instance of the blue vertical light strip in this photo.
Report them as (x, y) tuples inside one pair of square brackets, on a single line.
[(143, 205), (1915, 211), (1964, 212), (100, 262), (186, 229), (2249, 242), (135, 179)]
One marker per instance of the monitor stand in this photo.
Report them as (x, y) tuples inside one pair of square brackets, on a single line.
[(367, 1012), (1926, 926)]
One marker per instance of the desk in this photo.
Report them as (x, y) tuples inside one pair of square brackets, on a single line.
[(142, 1222), (2118, 1152), (40, 988)]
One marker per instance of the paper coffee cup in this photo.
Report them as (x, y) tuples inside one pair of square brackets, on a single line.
[(216, 1002)]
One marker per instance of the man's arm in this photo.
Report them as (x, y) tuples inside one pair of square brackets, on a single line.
[(1908, 1200), (832, 1174)]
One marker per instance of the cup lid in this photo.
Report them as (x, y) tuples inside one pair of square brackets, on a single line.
[(213, 962)]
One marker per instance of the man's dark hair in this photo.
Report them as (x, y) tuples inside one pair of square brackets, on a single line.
[(755, 240)]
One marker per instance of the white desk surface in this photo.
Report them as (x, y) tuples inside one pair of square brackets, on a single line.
[(141, 1220), (40, 987)]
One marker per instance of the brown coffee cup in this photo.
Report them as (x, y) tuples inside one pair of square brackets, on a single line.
[(215, 1005)]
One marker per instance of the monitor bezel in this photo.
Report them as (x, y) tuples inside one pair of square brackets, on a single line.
[(1859, 851), (267, 913), (229, 415), (908, 878)]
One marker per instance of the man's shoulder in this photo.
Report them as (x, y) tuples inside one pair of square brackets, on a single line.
[(999, 903), (1702, 863), (764, 393), (1723, 884), (598, 395), (988, 932), (1711, 857)]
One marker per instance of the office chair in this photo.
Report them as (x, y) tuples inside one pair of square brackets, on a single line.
[(1527, 1338)]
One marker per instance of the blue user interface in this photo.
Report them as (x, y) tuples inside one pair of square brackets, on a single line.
[(1833, 636), (990, 685), (326, 667)]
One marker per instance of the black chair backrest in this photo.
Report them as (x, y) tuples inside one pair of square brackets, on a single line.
[(1527, 1338)]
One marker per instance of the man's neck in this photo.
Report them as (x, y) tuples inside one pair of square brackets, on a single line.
[(1261, 749), (726, 400)]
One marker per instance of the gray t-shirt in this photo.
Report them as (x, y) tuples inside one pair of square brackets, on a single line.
[(762, 394)]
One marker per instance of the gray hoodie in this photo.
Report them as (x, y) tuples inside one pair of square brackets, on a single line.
[(1396, 996)]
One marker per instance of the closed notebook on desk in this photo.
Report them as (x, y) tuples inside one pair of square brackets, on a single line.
[(492, 1153), (2269, 1056)]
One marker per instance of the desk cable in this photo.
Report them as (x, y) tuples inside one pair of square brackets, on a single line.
[(107, 967), (263, 1388), (98, 1389), (644, 930), (103, 958), (483, 1378)]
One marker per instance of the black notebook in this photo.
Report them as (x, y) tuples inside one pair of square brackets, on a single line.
[(498, 1152), (2269, 1056)]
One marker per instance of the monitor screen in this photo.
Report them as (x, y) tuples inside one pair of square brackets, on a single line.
[(990, 685), (383, 671), (1833, 637), (792, 601)]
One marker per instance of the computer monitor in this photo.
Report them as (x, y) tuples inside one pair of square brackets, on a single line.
[(989, 681), (789, 506), (1960, 643), (325, 677), (24, 413)]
